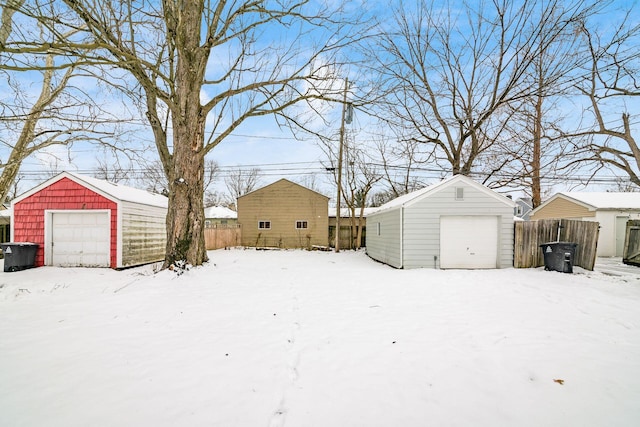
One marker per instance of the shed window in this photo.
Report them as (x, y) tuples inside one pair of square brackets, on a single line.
[(264, 225), (378, 228), (301, 225), (459, 193)]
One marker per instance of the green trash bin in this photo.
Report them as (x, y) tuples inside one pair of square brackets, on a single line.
[(19, 255), (559, 256)]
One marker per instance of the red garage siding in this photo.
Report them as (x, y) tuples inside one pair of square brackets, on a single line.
[(28, 214)]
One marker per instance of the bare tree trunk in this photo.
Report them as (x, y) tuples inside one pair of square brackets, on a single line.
[(185, 218), (536, 190)]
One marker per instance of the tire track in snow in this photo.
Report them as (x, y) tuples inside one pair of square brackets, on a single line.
[(278, 418)]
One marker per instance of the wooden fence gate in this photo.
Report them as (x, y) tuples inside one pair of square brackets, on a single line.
[(221, 236), (529, 235), (631, 254)]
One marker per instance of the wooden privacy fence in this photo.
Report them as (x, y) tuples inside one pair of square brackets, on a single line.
[(347, 237), (222, 236), (631, 253), (529, 235)]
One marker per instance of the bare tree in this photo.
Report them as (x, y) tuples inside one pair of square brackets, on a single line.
[(451, 72), (206, 68), (217, 198), (241, 181), (360, 173), (310, 182), (399, 160), (531, 146), (361, 176), (151, 175), (59, 114), (610, 80), (114, 172)]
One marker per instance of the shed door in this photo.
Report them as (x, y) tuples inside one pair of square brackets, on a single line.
[(80, 239), (621, 231), (468, 241)]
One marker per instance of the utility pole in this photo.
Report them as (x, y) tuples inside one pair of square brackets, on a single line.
[(340, 150)]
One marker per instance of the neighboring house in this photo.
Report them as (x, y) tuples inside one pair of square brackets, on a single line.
[(456, 223), (611, 210), (284, 215), (82, 221), (524, 206), (5, 224), (219, 215)]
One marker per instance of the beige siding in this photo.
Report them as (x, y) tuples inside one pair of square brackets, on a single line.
[(562, 208), (283, 203), (144, 234)]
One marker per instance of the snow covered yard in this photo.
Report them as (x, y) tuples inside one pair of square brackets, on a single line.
[(295, 338)]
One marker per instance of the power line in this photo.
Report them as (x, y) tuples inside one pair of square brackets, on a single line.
[(318, 168)]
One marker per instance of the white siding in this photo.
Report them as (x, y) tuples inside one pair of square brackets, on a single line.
[(385, 247), (143, 234), (607, 235), (422, 224), (410, 227), (469, 241), (78, 238)]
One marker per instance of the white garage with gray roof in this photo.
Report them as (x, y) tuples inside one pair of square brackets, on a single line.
[(456, 223)]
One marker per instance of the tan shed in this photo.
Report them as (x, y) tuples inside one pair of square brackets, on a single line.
[(284, 215)]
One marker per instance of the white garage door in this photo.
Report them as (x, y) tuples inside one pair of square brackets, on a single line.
[(80, 239), (468, 241)]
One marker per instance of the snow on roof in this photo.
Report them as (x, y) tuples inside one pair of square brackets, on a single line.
[(6, 213), (280, 181), (219, 212), (346, 212), (123, 192), (605, 200)]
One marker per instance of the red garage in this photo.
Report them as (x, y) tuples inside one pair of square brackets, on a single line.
[(82, 221)]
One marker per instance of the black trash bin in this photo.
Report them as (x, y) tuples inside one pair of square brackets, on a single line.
[(559, 256), (19, 256)]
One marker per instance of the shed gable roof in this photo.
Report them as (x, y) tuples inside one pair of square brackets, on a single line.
[(107, 189), (281, 182), (416, 196), (596, 200), (605, 200)]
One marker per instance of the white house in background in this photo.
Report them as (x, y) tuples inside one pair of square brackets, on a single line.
[(611, 210), (219, 215), (456, 223), (524, 206)]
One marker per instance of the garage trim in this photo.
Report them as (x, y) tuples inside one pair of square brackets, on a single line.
[(469, 241), (48, 229)]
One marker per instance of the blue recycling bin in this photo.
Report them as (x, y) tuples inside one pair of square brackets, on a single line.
[(559, 256), (19, 255)]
